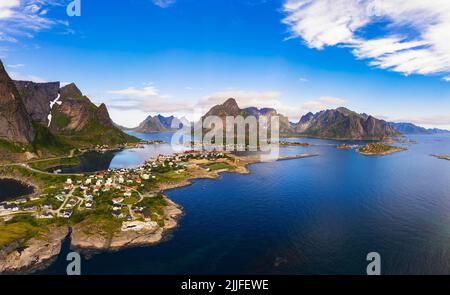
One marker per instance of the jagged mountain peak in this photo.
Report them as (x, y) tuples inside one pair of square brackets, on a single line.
[(343, 123), (71, 91), (159, 123)]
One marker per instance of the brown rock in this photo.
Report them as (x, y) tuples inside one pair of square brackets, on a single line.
[(15, 123)]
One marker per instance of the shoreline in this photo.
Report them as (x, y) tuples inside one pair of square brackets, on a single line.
[(442, 157), (22, 180)]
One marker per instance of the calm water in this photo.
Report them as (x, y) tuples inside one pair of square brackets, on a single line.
[(317, 215), (10, 189)]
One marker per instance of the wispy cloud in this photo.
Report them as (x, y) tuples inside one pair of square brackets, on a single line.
[(24, 77), (429, 121), (245, 98), (322, 103), (415, 39), (147, 99), (15, 66), (25, 18), (163, 3)]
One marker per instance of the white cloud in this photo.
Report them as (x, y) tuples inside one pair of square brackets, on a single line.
[(245, 98), (149, 91), (6, 8), (415, 42), (26, 17), (148, 100), (323, 103), (21, 77), (5, 38), (163, 3), (434, 121), (16, 66)]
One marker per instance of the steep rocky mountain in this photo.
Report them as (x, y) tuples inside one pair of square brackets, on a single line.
[(409, 128), (80, 121), (343, 123), (159, 123), (228, 108), (37, 98), (76, 122), (15, 123), (231, 108)]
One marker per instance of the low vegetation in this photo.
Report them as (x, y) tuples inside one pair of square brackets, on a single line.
[(47, 164), (379, 148)]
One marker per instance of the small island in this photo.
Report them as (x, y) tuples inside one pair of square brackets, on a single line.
[(442, 157), (293, 143), (379, 149)]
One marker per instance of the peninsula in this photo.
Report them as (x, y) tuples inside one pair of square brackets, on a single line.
[(443, 157), (105, 211)]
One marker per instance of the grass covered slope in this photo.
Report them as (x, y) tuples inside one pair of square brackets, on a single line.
[(379, 148)]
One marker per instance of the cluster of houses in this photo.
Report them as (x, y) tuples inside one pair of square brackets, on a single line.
[(208, 146), (18, 205), (122, 183)]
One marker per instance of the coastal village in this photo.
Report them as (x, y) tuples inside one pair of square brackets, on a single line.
[(124, 191)]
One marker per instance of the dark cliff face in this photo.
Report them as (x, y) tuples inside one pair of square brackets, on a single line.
[(15, 123), (345, 124), (103, 116), (37, 97)]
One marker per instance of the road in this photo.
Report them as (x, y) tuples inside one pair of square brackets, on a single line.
[(71, 155)]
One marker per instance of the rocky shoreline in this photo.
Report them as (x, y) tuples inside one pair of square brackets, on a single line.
[(150, 234), (36, 254)]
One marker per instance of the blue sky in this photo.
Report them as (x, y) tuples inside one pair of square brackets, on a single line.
[(181, 57)]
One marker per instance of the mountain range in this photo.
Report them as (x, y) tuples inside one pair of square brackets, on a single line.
[(76, 122), (409, 128), (343, 123), (159, 123), (340, 123)]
